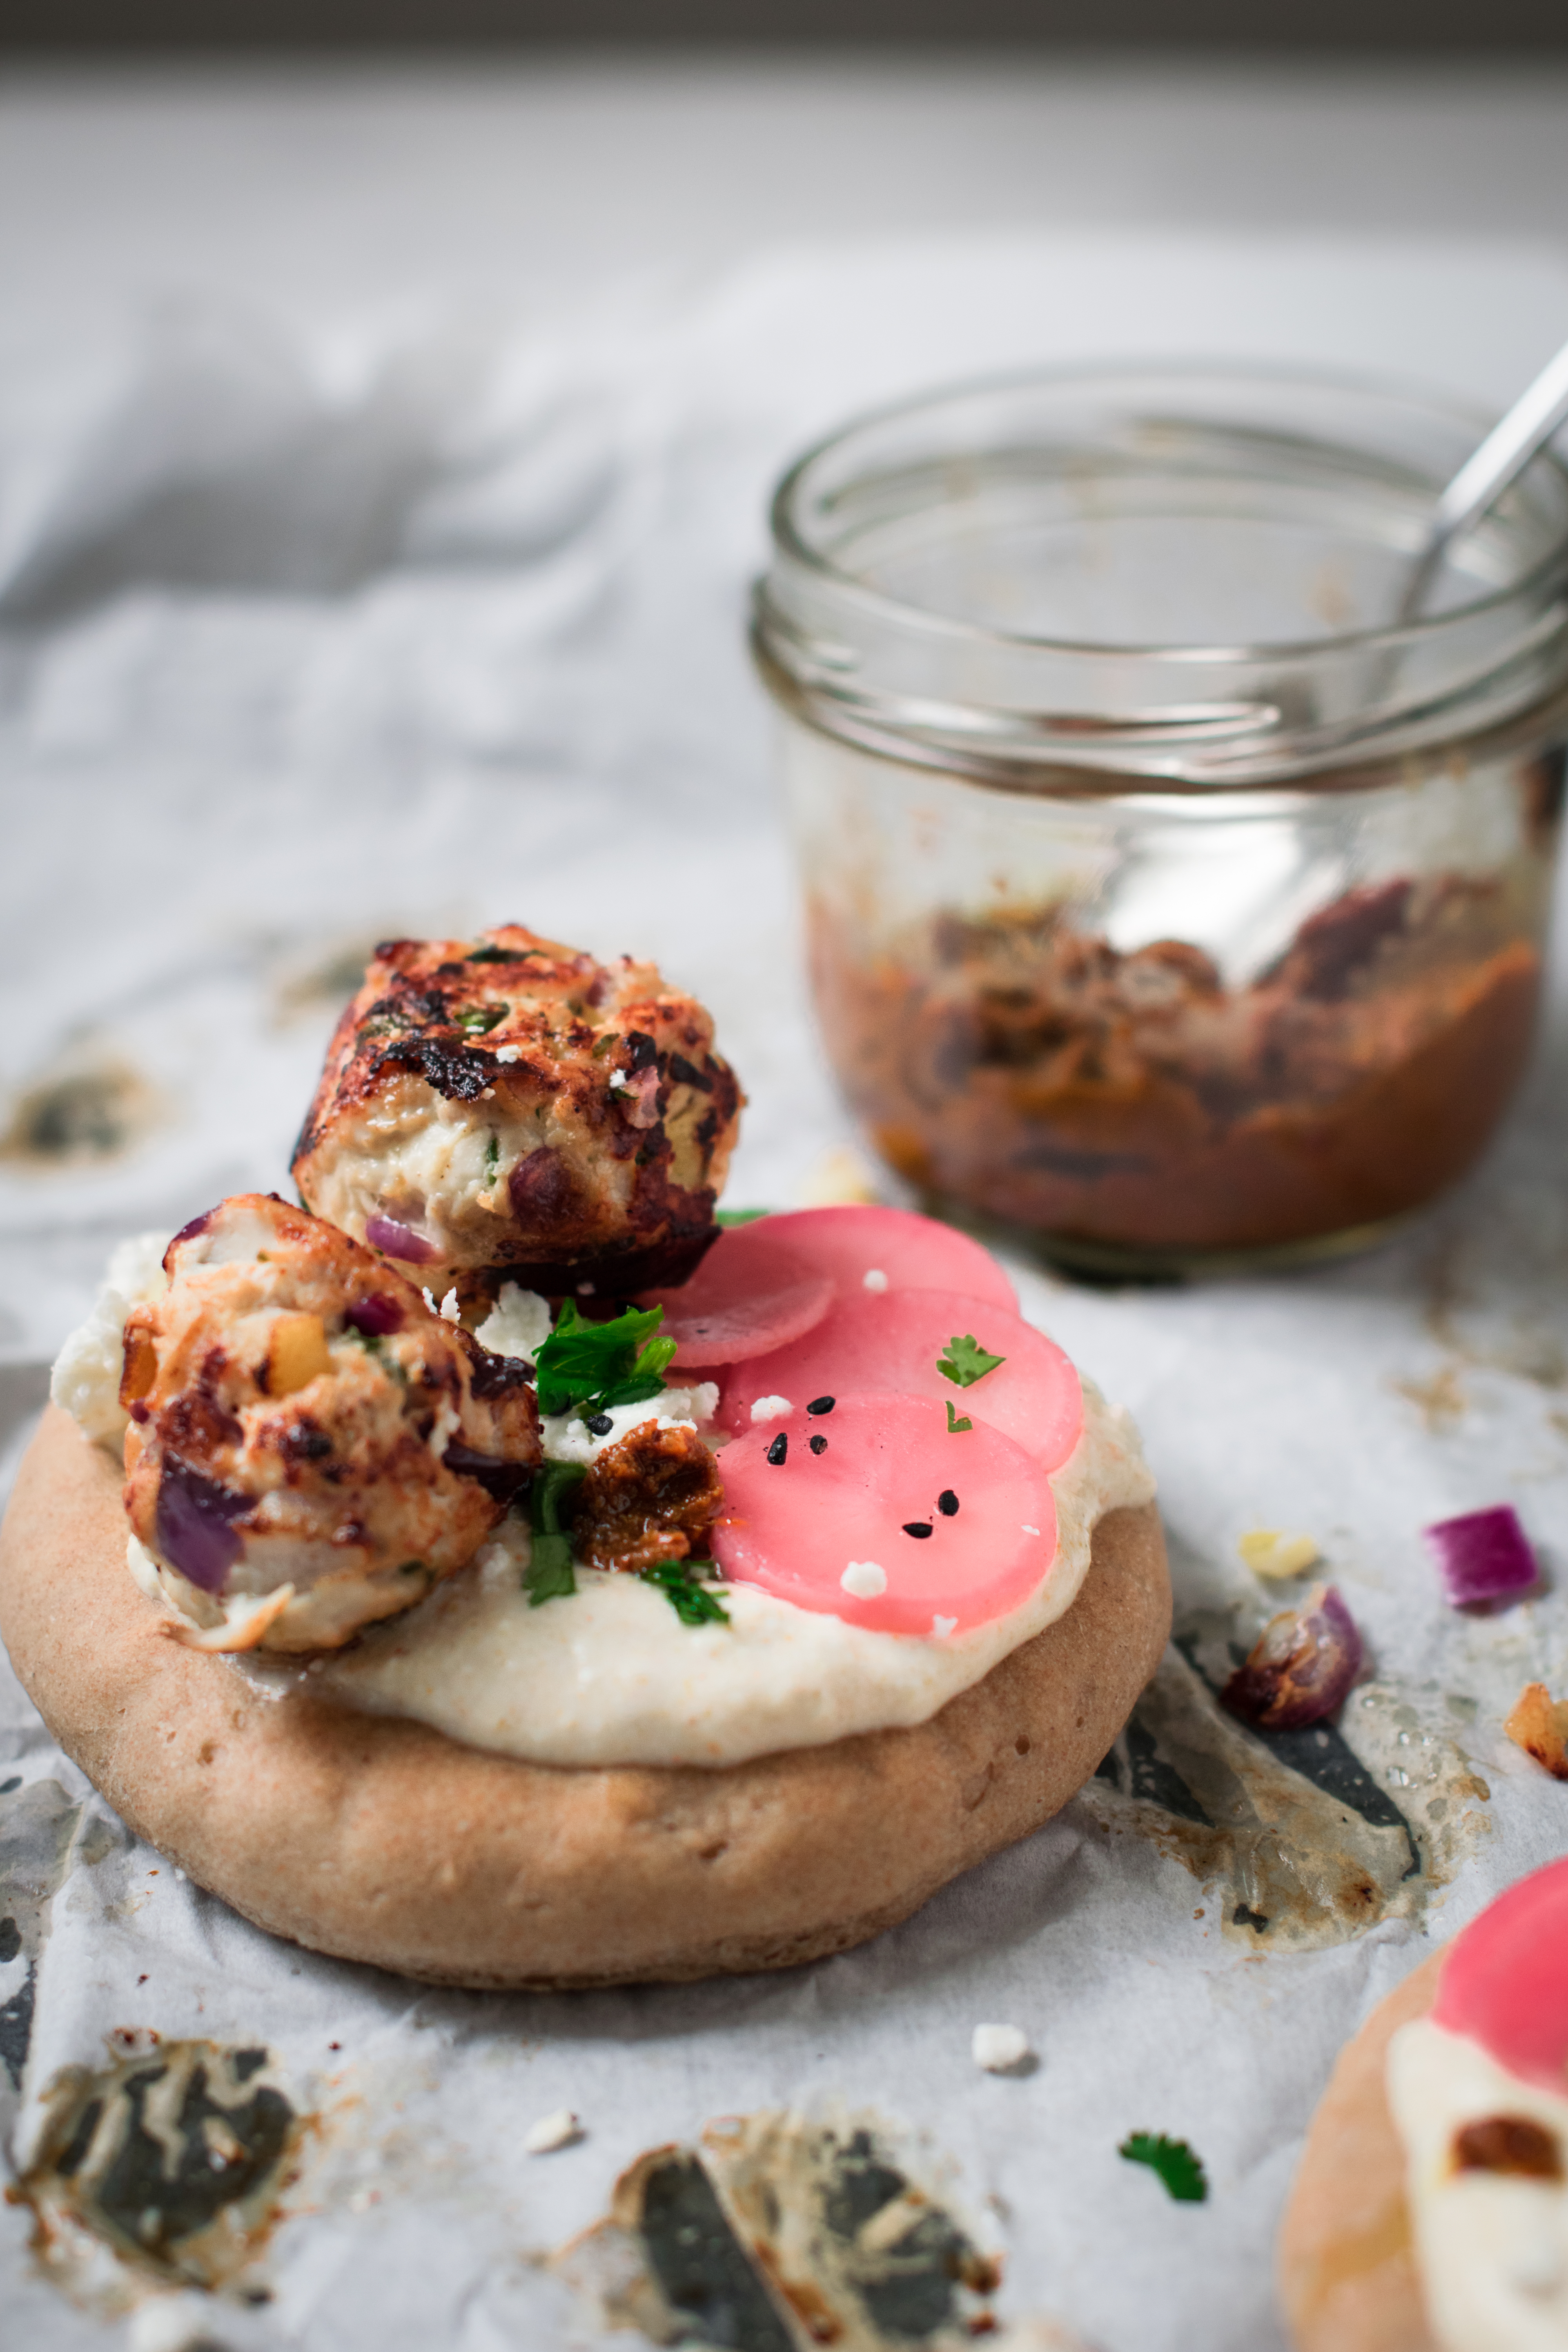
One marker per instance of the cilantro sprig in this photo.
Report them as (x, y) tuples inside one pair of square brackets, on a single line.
[(550, 1575), (967, 1361), (955, 1426), (587, 1367), (691, 1602), (1180, 2170)]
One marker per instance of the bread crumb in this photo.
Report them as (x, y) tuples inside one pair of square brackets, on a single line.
[(558, 2129), (1539, 1724), (1273, 1553), (998, 2047)]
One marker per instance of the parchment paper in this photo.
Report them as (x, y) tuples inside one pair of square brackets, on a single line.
[(302, 643)]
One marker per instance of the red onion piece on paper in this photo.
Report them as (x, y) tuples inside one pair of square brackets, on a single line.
[(1482, 1555), (1300, 1667), (386, 1235)]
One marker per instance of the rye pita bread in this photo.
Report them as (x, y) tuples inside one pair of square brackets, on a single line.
[(1347, 2267), (379, 1840)]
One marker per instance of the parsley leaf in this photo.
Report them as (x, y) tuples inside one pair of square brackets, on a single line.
[(604, 1045), (587, 1367), (692, 1603), (492, 1158), (1173, 2160), (727, 1217), (549, 1575), (481, 1018), (967, 1361), (499, 955), (955, 1428)]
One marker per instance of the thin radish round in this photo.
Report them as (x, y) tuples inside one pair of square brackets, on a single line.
[(892, 1341), (750, 1283), (874, 1513)]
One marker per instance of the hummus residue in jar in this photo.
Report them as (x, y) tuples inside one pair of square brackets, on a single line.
[(610, 1674)]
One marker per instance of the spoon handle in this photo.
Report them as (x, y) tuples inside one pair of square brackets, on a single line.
[(1487, 472)]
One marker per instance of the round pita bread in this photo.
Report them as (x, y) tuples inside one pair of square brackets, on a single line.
[(380, 1840), (1348, 2278)]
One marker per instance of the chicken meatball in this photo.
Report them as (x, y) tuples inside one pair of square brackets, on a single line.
[(505, 1107), (309, 1448)]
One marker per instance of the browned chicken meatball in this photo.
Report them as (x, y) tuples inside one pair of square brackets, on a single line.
[(506, 1107), (309, 1448)]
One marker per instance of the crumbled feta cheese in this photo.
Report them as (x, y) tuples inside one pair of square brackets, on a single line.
[(86, 1379), (1271, 1552), (864, 1579), (1028, 1531), (552, 2131), (997, 2047), (568, 1438), (517, 1324), (509, 1053), (620, 1081), (876, 1279), (450, 1311), (770, 1407), (942, 1626)]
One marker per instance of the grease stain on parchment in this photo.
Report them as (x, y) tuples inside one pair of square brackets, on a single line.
[(45, 1834), (778, 2232), (163, 2168), (1302, 1839), (93, 1107)]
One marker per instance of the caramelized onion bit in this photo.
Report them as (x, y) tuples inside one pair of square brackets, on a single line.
[(1515, 2144), (1300, 1667), (1482, 1555)]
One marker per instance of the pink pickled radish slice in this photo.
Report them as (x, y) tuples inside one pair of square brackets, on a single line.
[(728, 1332), (891, 1341), (737, 1294), (1503, 1982), (799, 1524)]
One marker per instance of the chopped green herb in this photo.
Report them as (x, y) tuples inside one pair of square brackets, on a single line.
[(1173, 2160), (480, 1019), (727, 1217), (692, 1603), (588, 1367), (499, 955), (412, 1568), (549, 1575), (967, 1361), (374, 1345), (955, 1428), (492, 1159), (604, 1045)]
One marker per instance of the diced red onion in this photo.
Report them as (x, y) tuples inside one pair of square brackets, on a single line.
[(400, 1241), (376, 1315), (1482, 1555), (192, 1531), (1300, 1669)]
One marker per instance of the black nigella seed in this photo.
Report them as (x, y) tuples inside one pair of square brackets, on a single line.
[(600, 1423), (819, 1445), (917, 1527), (821, 1405), (947, 1503), (779, 1448)]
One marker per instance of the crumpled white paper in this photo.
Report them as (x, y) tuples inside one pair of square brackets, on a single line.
[(301, 645)]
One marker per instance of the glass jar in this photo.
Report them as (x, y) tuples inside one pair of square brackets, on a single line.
[(1166, 899)]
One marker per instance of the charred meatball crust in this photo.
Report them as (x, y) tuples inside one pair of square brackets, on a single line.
[(508, 1109), (304, 1431)]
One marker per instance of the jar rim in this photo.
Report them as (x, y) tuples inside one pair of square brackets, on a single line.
[(789, 539)]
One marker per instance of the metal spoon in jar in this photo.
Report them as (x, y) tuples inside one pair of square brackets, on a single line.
[(1483, 477)]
